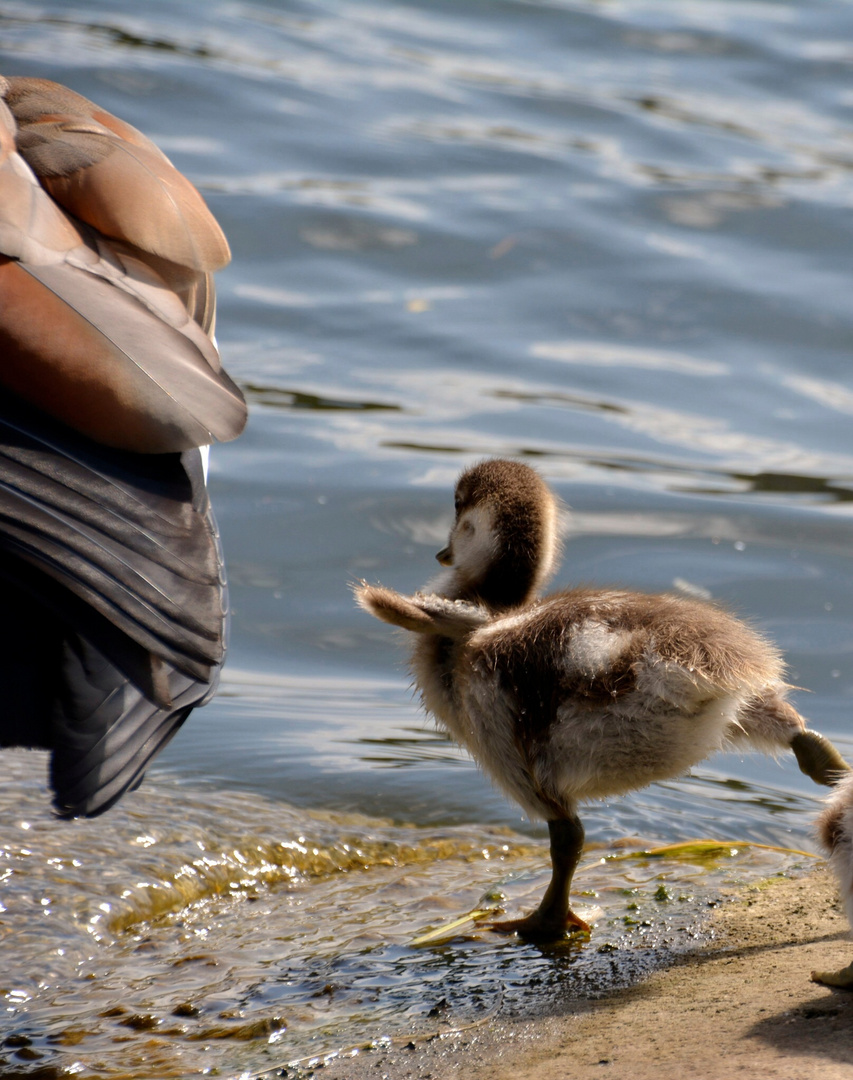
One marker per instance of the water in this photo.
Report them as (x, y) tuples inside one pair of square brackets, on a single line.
[(610, 236)]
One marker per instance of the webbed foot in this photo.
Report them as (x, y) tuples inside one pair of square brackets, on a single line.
[(818, 758), (842, 979), (539, 927)]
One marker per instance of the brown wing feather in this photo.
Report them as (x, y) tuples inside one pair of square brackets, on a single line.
[(100, 361), (111, 176), (112, 351), (32, 227)]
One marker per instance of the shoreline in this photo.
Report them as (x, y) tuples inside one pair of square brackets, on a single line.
[(739, 1002)]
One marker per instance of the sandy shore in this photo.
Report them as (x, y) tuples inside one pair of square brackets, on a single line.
[(739, 1004)]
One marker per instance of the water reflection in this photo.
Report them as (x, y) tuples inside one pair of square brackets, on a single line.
[(773, 483), (278, 397), (610, 354), (200, 929)]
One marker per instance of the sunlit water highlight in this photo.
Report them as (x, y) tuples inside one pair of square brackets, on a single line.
[(211, 929)]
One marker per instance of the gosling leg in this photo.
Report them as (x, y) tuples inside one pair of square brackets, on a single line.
[(768, 722), (554, 916)]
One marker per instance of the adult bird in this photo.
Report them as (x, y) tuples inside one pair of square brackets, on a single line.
[(114, 599)]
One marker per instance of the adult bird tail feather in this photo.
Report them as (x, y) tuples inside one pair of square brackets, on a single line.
[(120, 532), (106, 738)]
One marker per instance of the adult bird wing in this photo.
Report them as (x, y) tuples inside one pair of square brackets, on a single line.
[(103, 237), (113, 583)]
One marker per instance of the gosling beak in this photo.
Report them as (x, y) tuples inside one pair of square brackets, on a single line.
[(445, 556)]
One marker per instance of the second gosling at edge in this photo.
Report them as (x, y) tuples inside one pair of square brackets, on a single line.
[(587, 692)]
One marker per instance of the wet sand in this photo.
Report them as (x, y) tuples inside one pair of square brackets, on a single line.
[(741, 1003)]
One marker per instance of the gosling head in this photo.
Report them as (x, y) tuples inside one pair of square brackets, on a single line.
[(504, 542)]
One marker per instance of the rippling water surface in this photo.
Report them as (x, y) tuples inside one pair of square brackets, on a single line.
[(613, 237)]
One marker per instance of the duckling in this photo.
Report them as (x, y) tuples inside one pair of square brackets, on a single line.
[(114, 600), (588, 692), (835, 831)]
